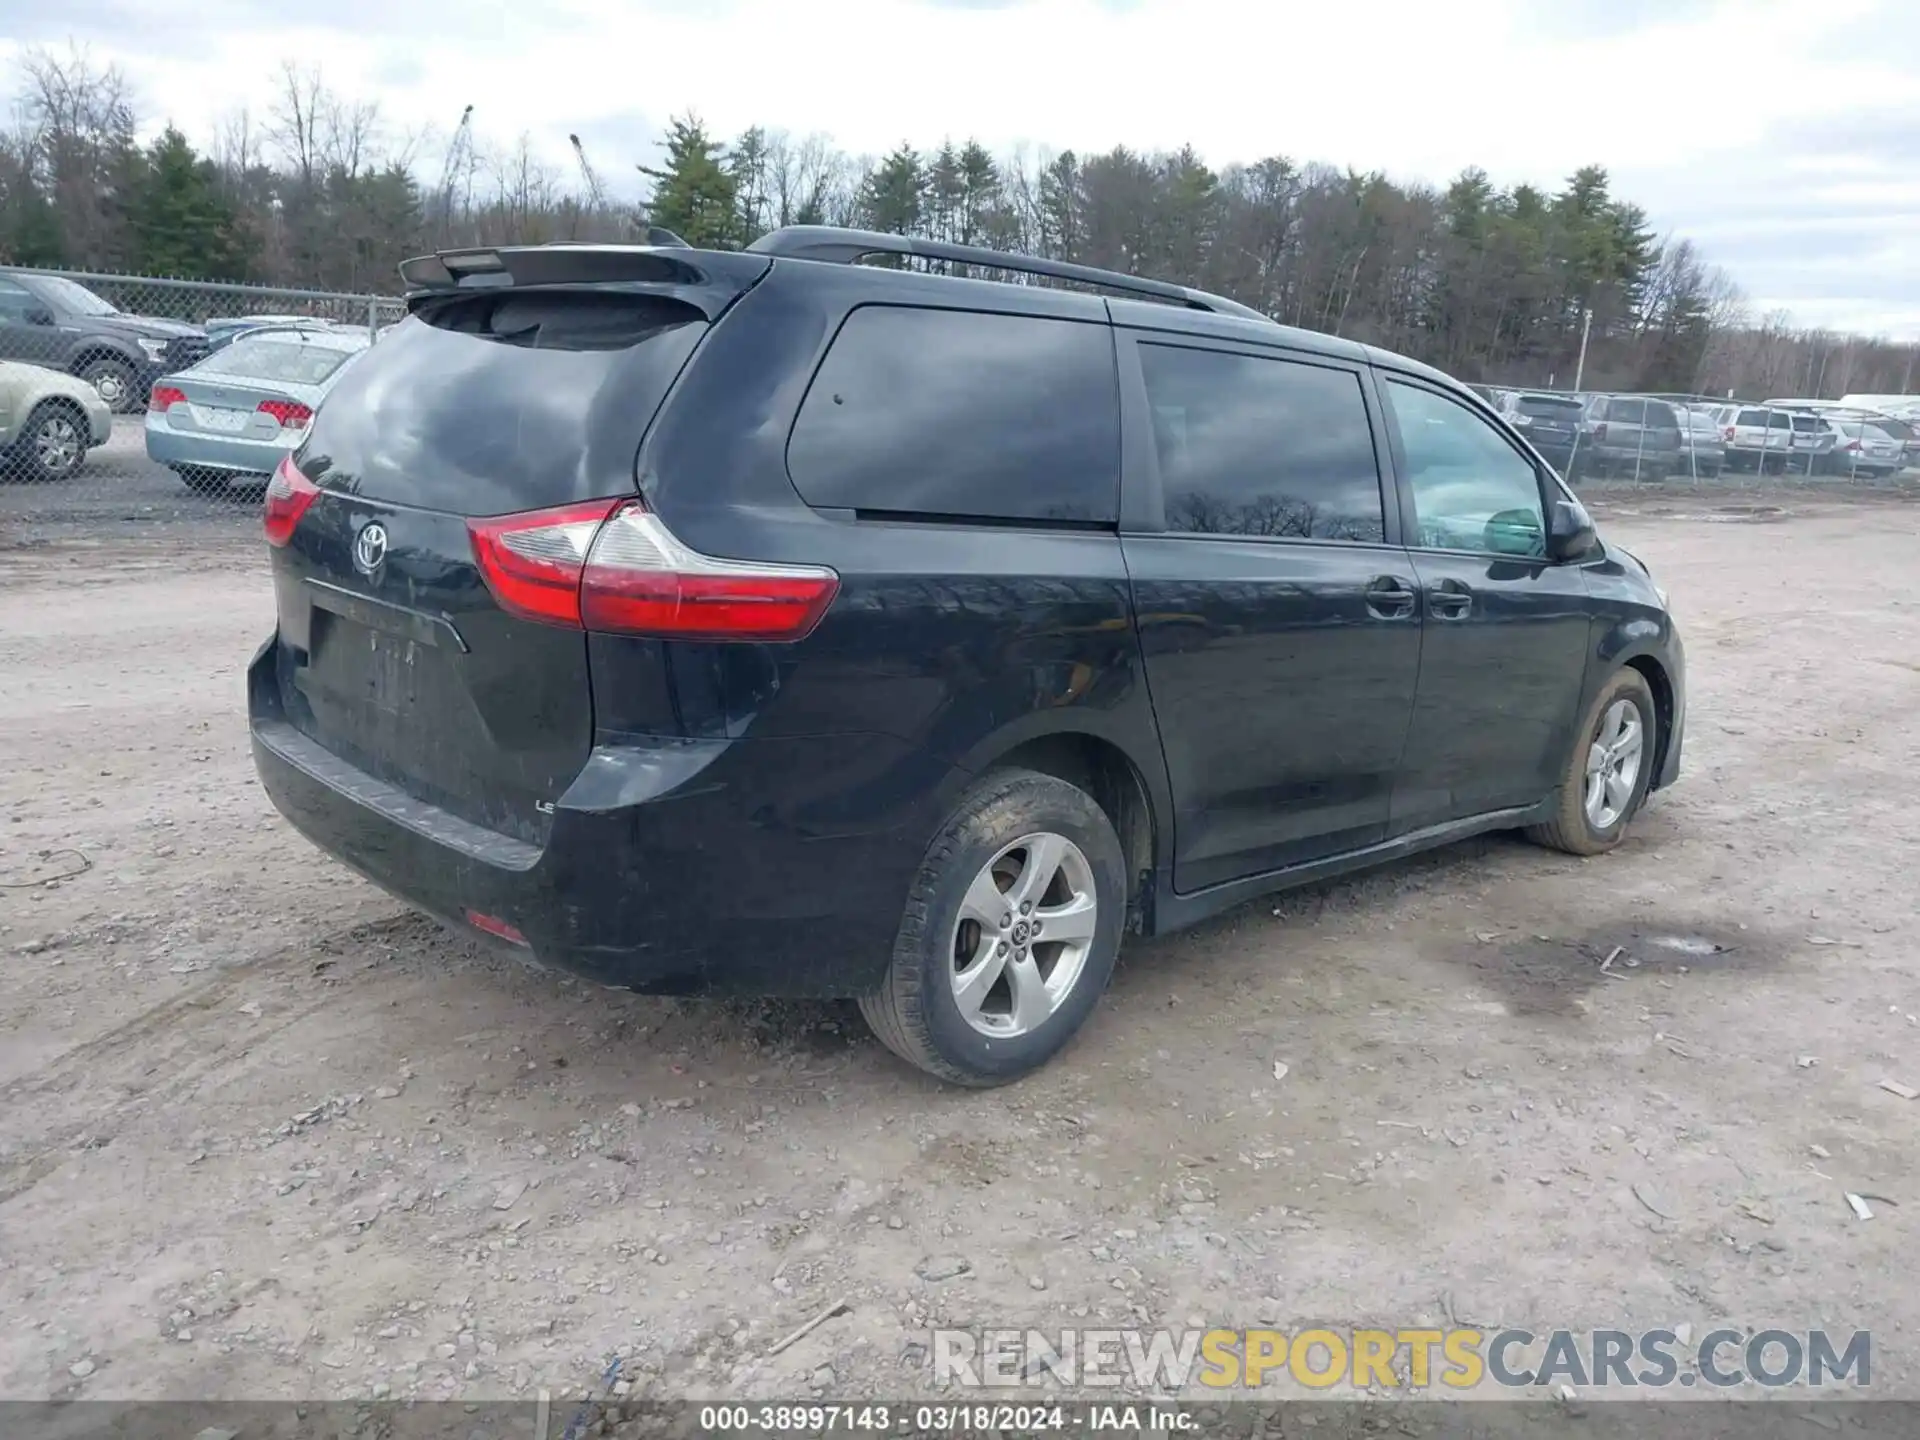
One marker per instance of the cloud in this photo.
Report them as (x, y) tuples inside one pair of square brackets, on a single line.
[(1776, 131)]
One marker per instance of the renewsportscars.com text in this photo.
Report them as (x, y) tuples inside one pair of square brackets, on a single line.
[(1413, 1358)]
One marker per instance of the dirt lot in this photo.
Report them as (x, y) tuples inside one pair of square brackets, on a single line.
[(264, 1135)]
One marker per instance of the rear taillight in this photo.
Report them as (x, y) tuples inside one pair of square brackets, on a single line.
[(1600, 431), (290, 413), (1853, 445), (164, 395), (533, 562), (614, 566), (1727, 434), (289, 494)]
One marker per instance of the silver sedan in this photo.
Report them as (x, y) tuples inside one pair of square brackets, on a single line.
[(236, 414)]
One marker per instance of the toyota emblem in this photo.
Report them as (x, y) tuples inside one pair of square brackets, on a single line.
[(370, 548)]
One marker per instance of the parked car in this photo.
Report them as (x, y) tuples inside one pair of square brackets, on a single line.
[(237, 413), (56, 322), (1907, 432), (1703, 454), (1905, 407), (1813, 442), (223, 331), (1865, 449), (786, 625), (1550, 422), (48, 422), (1629, 435), (1755, 437)]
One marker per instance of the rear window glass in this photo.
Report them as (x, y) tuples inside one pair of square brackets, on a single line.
[(1627, 412), (284, 362), (1752, 417), (954, 413), (493, 403), (1548, 407)]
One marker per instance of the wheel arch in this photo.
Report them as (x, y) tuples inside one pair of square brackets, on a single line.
[(1123, 787), (92, 350), (1661, 684)]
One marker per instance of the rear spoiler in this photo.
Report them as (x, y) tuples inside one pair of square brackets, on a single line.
[(710, 280)]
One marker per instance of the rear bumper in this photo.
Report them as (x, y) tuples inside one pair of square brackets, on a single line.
[(167, 446), (767, 867)]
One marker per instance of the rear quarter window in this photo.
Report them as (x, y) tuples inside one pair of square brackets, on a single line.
[(953, 413)]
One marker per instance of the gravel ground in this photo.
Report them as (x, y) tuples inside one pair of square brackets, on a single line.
[(263, 1134)]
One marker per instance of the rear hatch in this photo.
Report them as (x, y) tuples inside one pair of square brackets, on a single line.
[(1548, 420), (465, 683)]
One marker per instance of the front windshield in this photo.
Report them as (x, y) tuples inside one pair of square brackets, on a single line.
[(76, 298)]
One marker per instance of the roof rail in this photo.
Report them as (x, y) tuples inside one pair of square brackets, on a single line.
[(839, 246)]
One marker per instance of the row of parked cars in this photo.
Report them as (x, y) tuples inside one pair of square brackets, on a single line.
[(223, 401), (1653, 437)]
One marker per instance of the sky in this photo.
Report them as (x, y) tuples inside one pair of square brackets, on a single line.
[(1783, 136)]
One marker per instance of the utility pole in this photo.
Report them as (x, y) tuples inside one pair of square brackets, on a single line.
[(1580, 370)]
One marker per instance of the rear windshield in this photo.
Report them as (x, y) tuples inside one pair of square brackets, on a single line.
[(1752, 417), (1550, 407), (493, 403), (285, 362)]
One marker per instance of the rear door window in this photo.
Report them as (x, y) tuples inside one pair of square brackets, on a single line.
[(956, 413), (1252, 445)]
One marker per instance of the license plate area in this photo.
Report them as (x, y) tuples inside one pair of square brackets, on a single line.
[(221, 419)]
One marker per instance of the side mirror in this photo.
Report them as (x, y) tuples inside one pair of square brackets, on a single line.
[(1515, 532), (38, 315), (1570, 533)]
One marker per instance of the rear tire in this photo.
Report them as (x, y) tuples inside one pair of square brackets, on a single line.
[(1588, 820), (975, 994)]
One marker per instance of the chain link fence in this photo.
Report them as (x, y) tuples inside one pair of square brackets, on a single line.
[(128, 398), (1653, 439)]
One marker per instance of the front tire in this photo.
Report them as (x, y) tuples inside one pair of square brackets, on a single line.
[(53, 445), (1606, 778), (115, 383), (1010, 933)]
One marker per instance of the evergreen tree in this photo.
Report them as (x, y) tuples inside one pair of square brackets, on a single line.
[(181, 223), (894, 196), (694, 194)]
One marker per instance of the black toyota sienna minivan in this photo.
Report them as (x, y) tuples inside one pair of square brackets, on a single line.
[(774, 622)]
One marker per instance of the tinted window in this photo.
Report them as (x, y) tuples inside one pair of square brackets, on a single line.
[(944, 412), (1252, 446), (1548, 407), (15, 300), (1752, 417), (1471, 489), (487, 404), (1661, 415), (1777, 420)]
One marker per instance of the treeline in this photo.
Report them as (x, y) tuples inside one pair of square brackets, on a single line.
[(1491, 284)]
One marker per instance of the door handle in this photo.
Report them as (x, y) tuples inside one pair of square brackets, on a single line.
[(1449, 600), (1390, 597)]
